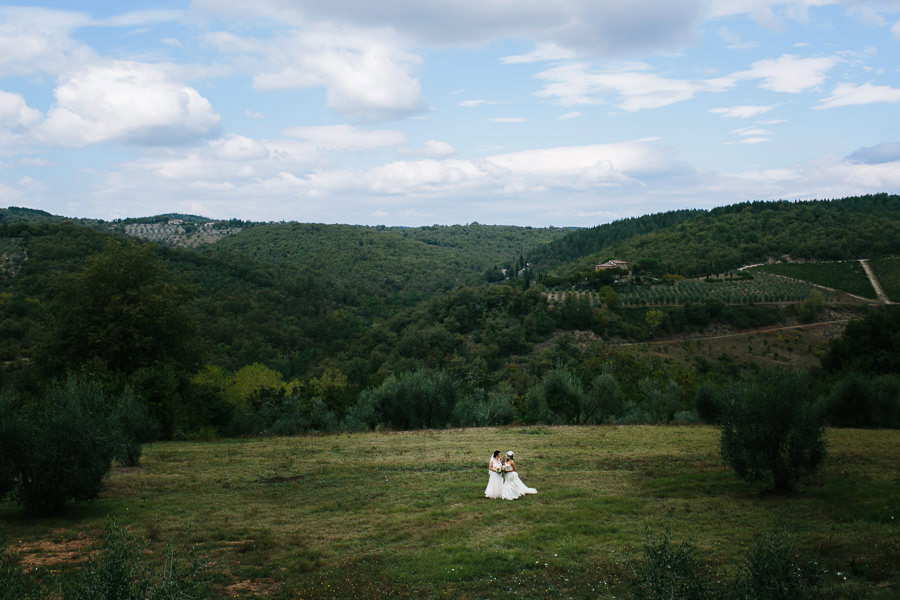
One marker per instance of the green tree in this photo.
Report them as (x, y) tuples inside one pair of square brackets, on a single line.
[(123, 312), (124, 320), (605, 399), (772, 429), (59, 448)]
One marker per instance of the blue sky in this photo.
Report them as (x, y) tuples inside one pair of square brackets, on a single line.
[(525, 112)]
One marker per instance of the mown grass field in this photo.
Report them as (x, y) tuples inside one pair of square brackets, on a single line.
[(403, 514)]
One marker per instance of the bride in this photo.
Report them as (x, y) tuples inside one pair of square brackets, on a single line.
[(494, 487), (513, 487)]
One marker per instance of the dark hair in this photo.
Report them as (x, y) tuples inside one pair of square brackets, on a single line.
[(496, 452)]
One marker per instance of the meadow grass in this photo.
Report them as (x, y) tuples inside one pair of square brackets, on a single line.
[(402, 514)]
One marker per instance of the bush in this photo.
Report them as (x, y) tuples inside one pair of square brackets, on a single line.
[(861, 401), (669, 571), (563, 395), (772, 571), (61, 447), (120, 573), (12, 580), (494, 409), (604, 401), (772, 430), (414, 400), (708, 404)]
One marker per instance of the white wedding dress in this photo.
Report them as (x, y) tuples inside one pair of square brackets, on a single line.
[(510, 491), (494, 487), (512, 479)]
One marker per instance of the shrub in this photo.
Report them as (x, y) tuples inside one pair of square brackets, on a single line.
[(413, 400), (772, 430), (604, 401), (773, 571), (119, 572), (59, 448), (861, 401), (669, 571), (563, 394), (493, 409), (12, 580), (708, 404)]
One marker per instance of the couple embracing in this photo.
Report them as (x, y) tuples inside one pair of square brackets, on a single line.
[(503, 479)]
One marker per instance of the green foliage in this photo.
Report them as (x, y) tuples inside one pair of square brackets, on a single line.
[(810, 308), (12, 580), (773, 571), (847, 276), (397, 266), (859, 400), (772, 429), (120, 572), (604, 401), (413, 400), (122, 311), (60, 448), (868, 345), (708, 403), (887, 270), (484, 410), (697, 242), (669, 571)]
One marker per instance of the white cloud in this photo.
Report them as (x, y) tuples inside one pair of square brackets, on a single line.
[(895, 30), (787, 74), (238, 148), (435, 149), (543, 52), (138, 18), (366, 75), (569, 115), (753, 140), (632, 86), (507, 120), (253, 115), (474, 103), (740, 112), (848, 94), (752, 131), (35, 40), (347, 137), (733, 40), (124, 101), (601, 28), (15, 114)]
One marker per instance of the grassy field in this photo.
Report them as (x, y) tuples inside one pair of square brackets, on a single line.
[(403, 514)]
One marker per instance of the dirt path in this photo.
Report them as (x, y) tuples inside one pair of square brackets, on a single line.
[(732, 335), (876, 285)]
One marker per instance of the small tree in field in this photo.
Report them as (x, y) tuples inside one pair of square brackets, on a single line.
[(60, 448), (772, 430)]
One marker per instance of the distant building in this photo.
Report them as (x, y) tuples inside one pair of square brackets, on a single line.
[(176, 222), (612, 264)]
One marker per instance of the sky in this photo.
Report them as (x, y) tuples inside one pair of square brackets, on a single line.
[(516, 112)]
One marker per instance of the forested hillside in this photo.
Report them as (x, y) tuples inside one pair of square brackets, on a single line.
[(393, 265), (335, 325), (697, 242)]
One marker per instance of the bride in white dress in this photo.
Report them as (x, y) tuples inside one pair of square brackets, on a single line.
[(494, 487), (516, 487)]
